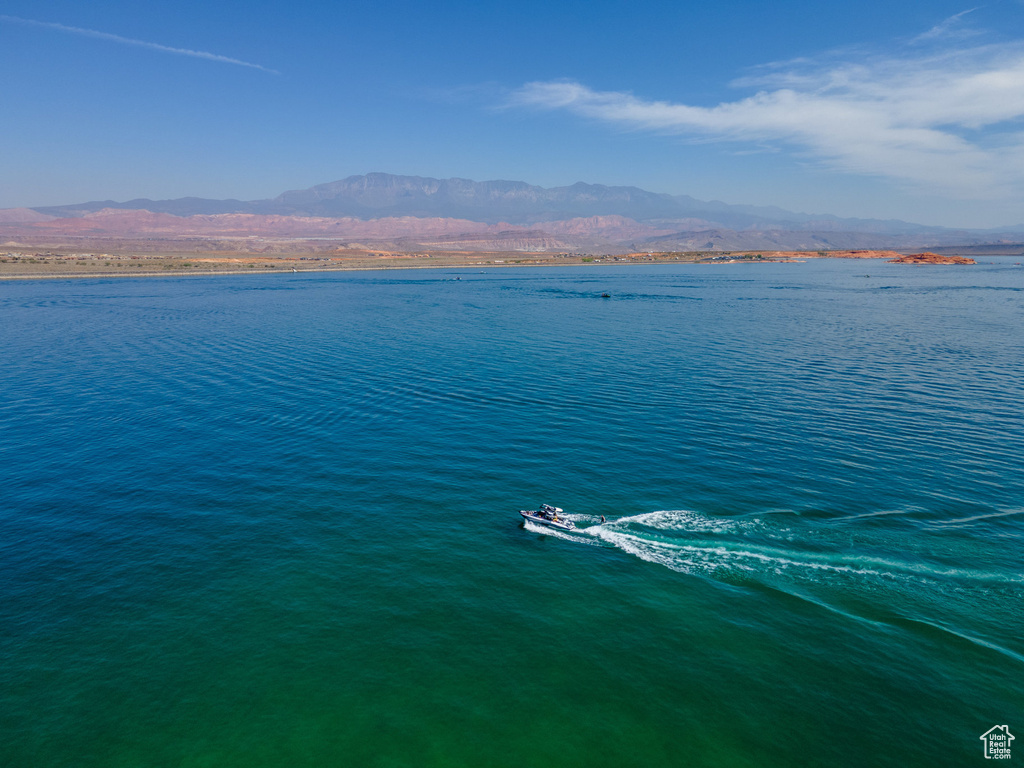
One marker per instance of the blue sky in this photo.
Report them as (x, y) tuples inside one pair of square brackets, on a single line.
[(910, 110)]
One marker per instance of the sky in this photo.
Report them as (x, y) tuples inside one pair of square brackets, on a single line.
[(893, 109)]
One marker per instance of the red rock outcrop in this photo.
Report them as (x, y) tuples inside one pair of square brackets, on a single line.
[(858, 254), (930, 258)]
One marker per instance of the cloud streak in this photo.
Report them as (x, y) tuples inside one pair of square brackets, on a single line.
[(137, 43), (947, 28), (951, 122)]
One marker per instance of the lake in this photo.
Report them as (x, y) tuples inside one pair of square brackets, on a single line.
[(273, 520)]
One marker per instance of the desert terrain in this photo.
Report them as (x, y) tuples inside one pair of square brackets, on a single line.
[(124, 257)]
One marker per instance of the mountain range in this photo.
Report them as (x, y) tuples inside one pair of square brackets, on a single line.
[(413, 211)]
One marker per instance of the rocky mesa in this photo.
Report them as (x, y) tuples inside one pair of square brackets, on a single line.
[(930, 258)]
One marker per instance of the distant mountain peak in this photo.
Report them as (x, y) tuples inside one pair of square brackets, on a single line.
[(380, 195)]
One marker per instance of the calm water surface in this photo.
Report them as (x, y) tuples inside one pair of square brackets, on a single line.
[(272, 520)]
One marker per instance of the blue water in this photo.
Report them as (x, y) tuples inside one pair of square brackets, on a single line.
[(272, 520)]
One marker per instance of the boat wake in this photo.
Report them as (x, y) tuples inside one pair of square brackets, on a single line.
[(773, 546), (864, 572)]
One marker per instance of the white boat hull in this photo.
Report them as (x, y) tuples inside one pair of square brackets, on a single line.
[(562, 525)]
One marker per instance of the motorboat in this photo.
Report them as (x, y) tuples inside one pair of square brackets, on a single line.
[(549, 516)]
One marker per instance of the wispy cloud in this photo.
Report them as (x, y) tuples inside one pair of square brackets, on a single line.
[(950, 27), (139, 43), (950, 121)]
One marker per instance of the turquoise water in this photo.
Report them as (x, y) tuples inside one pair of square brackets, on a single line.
[(272, 520)]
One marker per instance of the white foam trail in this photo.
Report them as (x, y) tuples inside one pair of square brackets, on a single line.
[(979, 517), (741, 553), (883, 513), (688, 558), (676, 557), (681, 520), (558, 534)]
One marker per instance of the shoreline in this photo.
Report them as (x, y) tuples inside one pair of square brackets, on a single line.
[(382, 268), (62, 265), (58, 266)]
